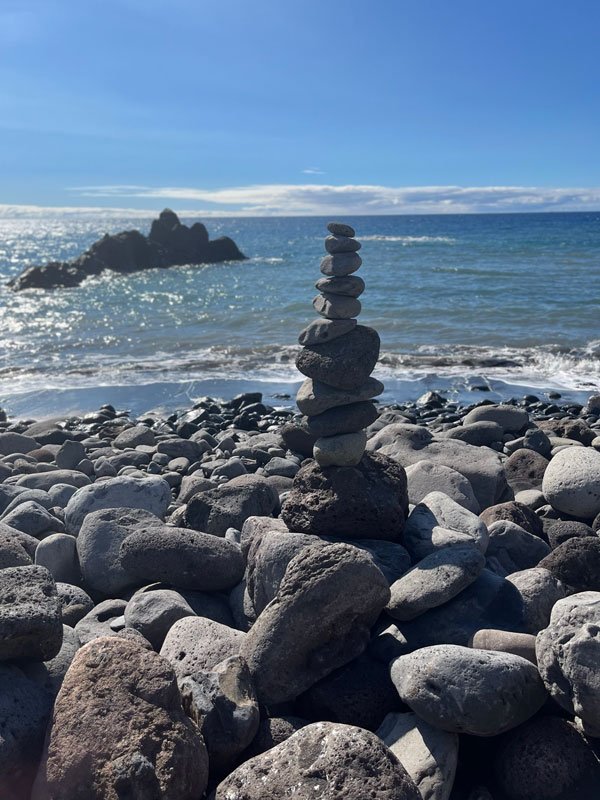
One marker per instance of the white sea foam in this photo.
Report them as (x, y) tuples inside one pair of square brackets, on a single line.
[(406, 241)]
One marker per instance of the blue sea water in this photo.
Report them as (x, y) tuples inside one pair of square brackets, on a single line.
[(509, 302)]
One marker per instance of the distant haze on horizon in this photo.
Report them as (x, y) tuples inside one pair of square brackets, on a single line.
[(232, 108)]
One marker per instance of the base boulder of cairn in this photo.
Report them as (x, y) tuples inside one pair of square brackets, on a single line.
[(343, 492)]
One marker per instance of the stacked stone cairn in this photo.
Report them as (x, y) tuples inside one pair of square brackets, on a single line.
[(338, 357)]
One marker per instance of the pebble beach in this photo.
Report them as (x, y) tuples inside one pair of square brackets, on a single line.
[(321, 591)]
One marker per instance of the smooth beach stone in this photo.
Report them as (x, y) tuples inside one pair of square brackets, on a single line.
[(288, 648), (99, 620), (568, 654), (25, 708), (531, 498), (539, 591), (341, 244), (572, 482), (322, 760), (11, 442), (184, 558), (349, 285), (255, 527), (519, 644), (154, 613), (427, 476), (481, 434), (360, 693), (228, 506), (69, 455), (340, 264), (336, 306), (340, 229), (75, 603), (50, 674), (479, 692), (510, 418), (343, 419), (575, 429), (512, 511), (32, 518), (46, 480), (437, 521), (343, 450), (344, 363), (314, 397), (408, 444), (99, 546), (151, 494), (58, 553), (197, 644), (368, 501), (223, 705), (134, 437), (30, 619), (525, 469), (512, 548), (325, 330), (119, 730), (489, 602), (428, 754), (193, 484), (576, 563), (436, 579), (547, 758)]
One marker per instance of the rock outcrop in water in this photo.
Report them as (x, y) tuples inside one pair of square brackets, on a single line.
[(169, 244)]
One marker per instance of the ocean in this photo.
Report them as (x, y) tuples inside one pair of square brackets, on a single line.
[(477, 306)]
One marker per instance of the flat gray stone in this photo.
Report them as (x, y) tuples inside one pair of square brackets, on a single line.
[(349, 285), (135, 436), (186, 559), (315, 397), (427, 476), (343, 419), (322, 760), (478, 692), (58, 553), (343, 229), (151, 494), (288, 649), (343, 450), (568, 654), (324, 330), (512, 548), (519, 644), (341, 244), (336, 306), (11, 442), (437, 521), (436, 579), (30, 619), (428, 754), (539, 591), (46, 480), (154, 613)]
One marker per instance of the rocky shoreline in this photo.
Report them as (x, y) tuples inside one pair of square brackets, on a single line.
[(169, 244), (242, 602), (166, 535)]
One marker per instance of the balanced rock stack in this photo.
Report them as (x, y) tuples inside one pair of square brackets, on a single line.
[(344, 492), (338, 357)]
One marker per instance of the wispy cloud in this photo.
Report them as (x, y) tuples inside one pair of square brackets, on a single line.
[(315, 199), (313, 171)]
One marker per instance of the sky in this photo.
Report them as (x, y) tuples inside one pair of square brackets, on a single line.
[(300, 106)]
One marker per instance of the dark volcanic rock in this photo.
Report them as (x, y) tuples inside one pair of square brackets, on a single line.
[(169, 244), (368, 501), (343, 419), (289, 647), (119, 730), (325, 760), (576, 563), (345, 362)]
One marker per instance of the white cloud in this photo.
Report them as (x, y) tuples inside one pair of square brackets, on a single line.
[(323, 200), (313, 171)]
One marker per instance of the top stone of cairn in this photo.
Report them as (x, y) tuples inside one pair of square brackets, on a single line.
[(340, 229)]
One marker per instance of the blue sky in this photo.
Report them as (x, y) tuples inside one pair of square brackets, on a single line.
[(282, 106)]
